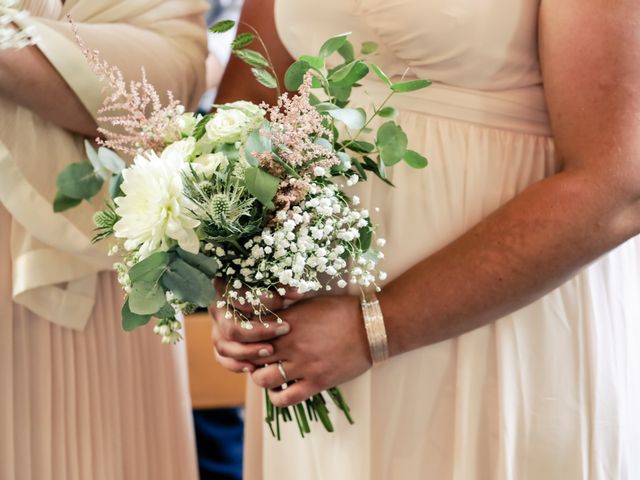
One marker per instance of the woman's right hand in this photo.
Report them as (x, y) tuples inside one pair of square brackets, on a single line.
[(239, 349)]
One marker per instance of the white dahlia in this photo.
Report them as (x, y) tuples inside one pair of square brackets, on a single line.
[(154, 210)]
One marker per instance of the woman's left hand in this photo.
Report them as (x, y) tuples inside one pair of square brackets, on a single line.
[(327, 346)]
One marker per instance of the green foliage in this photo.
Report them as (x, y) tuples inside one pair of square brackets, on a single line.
[(415, 160), (243, 40), (104, 221), (261, 185), (392, 143), (256, 143), (200, 129), (251, 57), (333, 44), (294, 75), (346, 51), (410, 86), (222, 26), (188, 283), (114, 185), (383, 76), (314, 62), (146, 298), (368, 48), (130, 320), (349, 74), (79, 181), (202, 262), (264, 77), (353, 118), (150, 269), (388, 112), (366, 236), (61, 202)]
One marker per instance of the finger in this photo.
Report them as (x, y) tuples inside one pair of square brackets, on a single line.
[(252, 332), (252, 352), (233, 365), (270, 376), (295, 393)]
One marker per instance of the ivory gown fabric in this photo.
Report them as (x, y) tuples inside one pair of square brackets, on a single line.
[(79, 398), (551, 391)]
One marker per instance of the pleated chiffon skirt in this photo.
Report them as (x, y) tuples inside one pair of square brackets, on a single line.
[(98, 404)]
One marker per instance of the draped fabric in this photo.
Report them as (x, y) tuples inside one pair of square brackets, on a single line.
[(550, 391), (54, 264), (80, 399)]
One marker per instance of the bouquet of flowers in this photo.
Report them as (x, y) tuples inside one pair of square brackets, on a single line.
[(11, 34), (251, 194)]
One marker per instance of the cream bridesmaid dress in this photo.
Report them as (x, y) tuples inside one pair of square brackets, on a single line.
[(79, 398), (551, 391)]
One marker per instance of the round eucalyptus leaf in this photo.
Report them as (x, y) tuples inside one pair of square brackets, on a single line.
[(383, 76), (351, 117), (261, 185), (333, 44), (62, 202), (294, 75), (79, 181), (204, 263), (188, 283), (130, 320), (415, 160), (146, 298), (392, 142), (150, 269)]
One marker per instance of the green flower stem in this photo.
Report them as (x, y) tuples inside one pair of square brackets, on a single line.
[(266, 51), (375, 114)]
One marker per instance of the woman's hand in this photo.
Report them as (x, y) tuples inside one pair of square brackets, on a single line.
[(239, 349), (327, 346)]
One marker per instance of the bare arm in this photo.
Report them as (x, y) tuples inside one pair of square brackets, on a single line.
[(560, 224), (27, 78), (237, 82)]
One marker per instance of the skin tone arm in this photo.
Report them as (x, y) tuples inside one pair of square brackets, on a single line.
[(523, 250), (28, 79)]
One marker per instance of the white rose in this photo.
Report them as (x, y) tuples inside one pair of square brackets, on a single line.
[(186, 123), (208, 164), (181, 149), (251, 110), (228, 126)]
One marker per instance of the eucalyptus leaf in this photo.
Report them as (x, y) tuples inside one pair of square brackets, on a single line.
[(358, 166), (92, 156), (114, 185), (324, 142), (366, 235), (204, 263), (368, 48), (222, 26), (256, 143), (315, 62), (243, 40), (341, 94), (351, 117), (410, 86), (349, 74), (325, 107), (79, 181), (230, 151), (188, 283), (261, 185), (200, 129), (264, 77), (150, 269), (333, 44), (251, 57), (346, 51), (381, 74), (415, 160), (166, 311), (146, 298), (392, 142), (110, 160), (388, 112), (359, 146), (130, 320), (62, 202), (294, 75)]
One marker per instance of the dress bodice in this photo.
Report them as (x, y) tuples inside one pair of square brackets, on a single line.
[(482, 45)]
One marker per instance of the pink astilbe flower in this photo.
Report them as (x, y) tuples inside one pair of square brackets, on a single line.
[(295, 125), (134, 109)]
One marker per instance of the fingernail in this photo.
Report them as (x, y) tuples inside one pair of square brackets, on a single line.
[(263, 352), (283, 329), (246, 370)]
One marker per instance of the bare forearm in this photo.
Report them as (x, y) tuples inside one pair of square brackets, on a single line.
[(519, 253), (27, 78)]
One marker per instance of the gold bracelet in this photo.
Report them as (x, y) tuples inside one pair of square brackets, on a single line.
[(374, 326)]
